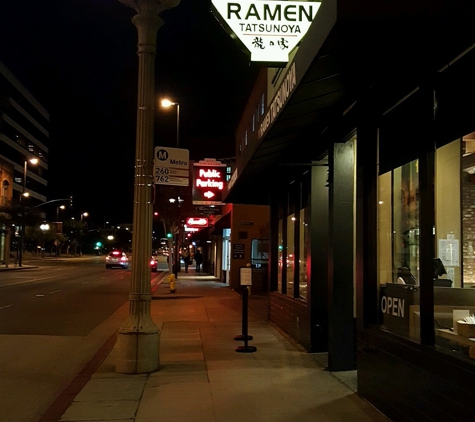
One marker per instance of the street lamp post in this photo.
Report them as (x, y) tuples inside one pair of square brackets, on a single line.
[(176, 260), (84, 214), (167, 103), (61, 207), (138, 340), (44, 227), (177, 232), (24, 194)]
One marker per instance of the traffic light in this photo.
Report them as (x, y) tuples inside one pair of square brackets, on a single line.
[(169, 235), (98, 245)]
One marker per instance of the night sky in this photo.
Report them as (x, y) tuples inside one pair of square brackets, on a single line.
[(79, 59)]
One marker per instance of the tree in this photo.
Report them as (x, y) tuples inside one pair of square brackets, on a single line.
[(76, 233)]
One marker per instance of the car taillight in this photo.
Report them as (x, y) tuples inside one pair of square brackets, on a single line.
[(123, 258)]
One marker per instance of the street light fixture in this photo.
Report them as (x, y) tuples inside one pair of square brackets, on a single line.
[(44, 227), (84, 214), (61, 207), (23, 195), (167, 103)]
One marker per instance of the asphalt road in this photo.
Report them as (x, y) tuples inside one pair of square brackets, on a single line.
[(53, 319)]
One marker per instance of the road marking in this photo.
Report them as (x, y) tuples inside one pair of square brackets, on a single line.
[(54, 291), (6, 306), (31, 281), (40, 295)]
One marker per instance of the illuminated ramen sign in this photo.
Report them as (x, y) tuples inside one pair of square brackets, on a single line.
[(270, 30), (208, 182)]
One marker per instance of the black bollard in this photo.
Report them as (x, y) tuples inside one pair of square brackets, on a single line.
[(246, 348)]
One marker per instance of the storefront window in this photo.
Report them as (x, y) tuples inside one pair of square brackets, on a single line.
[(304, 239), (280, 235), (398, 250), (290, 254), (454, 265)]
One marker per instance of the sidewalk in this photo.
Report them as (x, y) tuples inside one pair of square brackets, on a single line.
[(203, 379)]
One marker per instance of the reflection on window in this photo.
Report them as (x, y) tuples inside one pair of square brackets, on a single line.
[(398, 250), (304, 239), (454, 265), (259, 253), (290, 254), (280, 235)]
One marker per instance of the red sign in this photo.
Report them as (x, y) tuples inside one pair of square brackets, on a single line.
[(197, 222), (209, 179)]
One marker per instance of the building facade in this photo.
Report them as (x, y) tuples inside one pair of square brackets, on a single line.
[(364, 156), (24, 134)]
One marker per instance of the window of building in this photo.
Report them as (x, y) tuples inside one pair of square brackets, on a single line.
[(253, 123), (5, 186), (280, 257), (290, 254), (398, 249), (259, 253), (245, 138), (262, 105), (304, 238), (454, 264)]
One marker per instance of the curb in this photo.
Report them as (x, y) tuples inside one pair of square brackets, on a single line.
[(66, 397)]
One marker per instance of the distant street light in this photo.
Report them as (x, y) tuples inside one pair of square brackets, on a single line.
[(44, 227), (61, 207), (84, 214), (167, 103), (23, 195)]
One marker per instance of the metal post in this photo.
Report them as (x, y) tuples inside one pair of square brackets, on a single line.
[(22, 208), (138, 340), (177, 125)]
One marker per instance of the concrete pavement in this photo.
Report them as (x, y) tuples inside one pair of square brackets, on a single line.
[(202, 378)]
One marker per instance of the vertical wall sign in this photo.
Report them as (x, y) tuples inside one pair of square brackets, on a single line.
[(268, 29), (209, 179)]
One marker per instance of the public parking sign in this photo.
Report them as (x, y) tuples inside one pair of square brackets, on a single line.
[(171, 166), (209, 179)]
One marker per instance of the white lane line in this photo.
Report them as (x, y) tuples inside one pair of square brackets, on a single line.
[(6, 306), (86, 282), (31, 281), (54, 291), (40, 295)]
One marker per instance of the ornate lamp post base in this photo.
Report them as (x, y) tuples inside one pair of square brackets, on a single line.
[(137, 353)]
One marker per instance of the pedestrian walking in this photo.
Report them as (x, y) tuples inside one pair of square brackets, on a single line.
[(186, 258), (199, 260)]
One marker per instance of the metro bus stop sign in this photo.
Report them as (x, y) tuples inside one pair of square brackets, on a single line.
[(171, 166)]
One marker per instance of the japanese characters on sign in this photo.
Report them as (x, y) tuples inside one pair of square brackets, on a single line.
[(269, 29), (208, 182)]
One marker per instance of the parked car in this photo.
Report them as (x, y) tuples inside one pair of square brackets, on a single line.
[(117, 259)]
